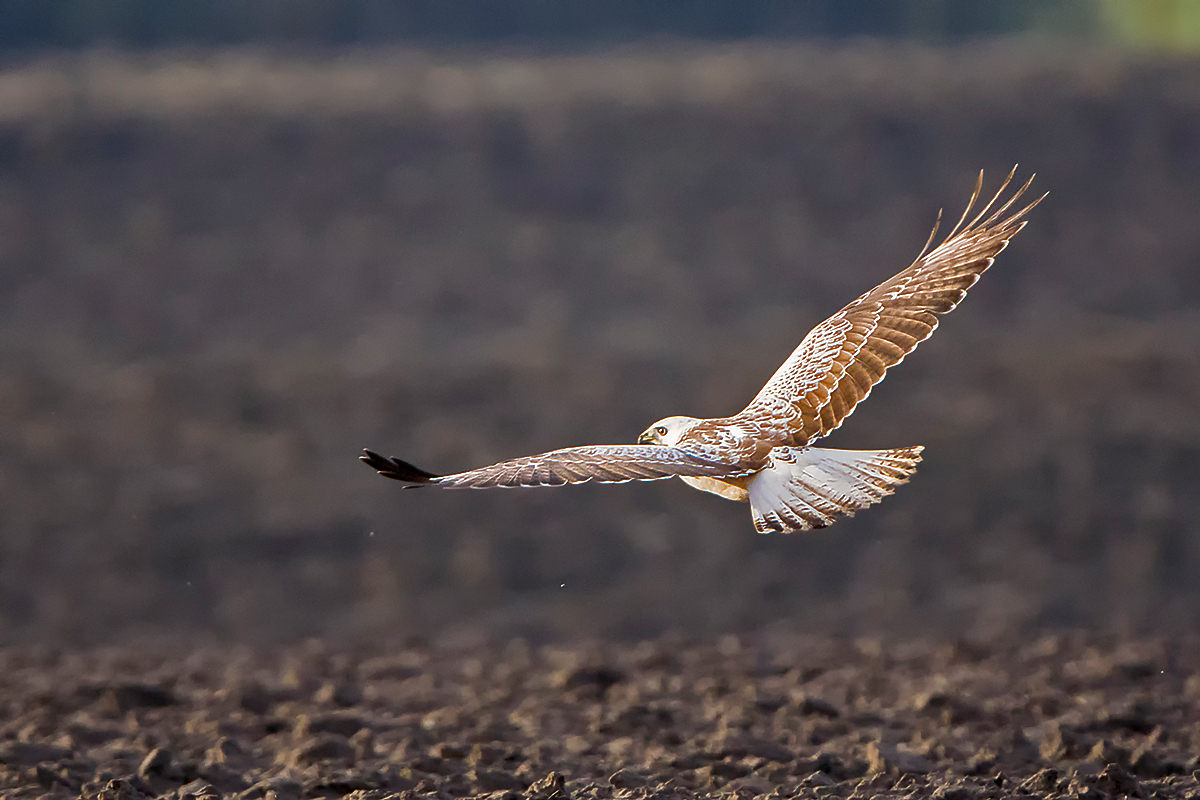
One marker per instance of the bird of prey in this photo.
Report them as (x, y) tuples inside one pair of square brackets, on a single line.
[(764, 453)]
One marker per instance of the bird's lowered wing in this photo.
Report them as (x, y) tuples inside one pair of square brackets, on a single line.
[(615, 463), (839, 361)]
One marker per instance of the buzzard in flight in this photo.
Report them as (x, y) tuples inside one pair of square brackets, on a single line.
[(764, 453)]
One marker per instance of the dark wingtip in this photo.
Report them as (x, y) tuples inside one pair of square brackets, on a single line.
[(396, 469)]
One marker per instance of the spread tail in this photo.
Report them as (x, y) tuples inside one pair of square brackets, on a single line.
[(810, 487)]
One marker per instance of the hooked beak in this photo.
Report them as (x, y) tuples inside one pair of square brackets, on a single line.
[(646, 438)]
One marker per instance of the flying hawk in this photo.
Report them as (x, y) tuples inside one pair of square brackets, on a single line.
[(763, 454)]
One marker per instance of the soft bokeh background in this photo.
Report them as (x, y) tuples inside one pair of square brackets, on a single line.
[(226, 266)]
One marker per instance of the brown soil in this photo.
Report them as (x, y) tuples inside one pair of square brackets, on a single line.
[(778, 715)]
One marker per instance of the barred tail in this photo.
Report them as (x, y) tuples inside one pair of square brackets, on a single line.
[(810, 487)]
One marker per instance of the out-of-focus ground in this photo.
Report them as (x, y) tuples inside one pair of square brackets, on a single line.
[(222, 274), (770, 715)]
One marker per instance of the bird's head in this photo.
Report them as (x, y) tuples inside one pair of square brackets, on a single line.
[(667, 431)]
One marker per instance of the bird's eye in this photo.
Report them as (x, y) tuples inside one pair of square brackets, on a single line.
[(660, 430)]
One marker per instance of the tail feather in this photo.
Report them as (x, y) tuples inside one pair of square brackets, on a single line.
[(398, 470), (810, 487)]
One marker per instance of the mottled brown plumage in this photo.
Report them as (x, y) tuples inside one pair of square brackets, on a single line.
[(763, 454), (838, 363), (617, 463)]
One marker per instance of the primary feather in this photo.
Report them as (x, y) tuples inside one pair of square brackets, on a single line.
[(763, 453)]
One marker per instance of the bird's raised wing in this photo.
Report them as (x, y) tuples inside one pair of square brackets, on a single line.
[(615, 463), (839, 361)]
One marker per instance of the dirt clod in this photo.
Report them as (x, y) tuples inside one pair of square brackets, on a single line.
[(512, 722), (156, 762)]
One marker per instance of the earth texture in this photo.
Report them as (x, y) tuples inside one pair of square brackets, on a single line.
[(773, 715)]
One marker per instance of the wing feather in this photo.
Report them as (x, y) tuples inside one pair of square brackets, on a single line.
[(599, 463), (840, 360)]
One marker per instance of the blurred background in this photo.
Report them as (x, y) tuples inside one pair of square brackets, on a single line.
[(241, 241)]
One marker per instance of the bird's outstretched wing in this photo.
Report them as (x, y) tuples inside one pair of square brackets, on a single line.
[(839, 361), (616, 463)]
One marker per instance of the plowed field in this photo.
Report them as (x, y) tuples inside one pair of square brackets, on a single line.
[(773, 716)]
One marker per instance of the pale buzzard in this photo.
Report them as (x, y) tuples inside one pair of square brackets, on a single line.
[(762, 454)]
